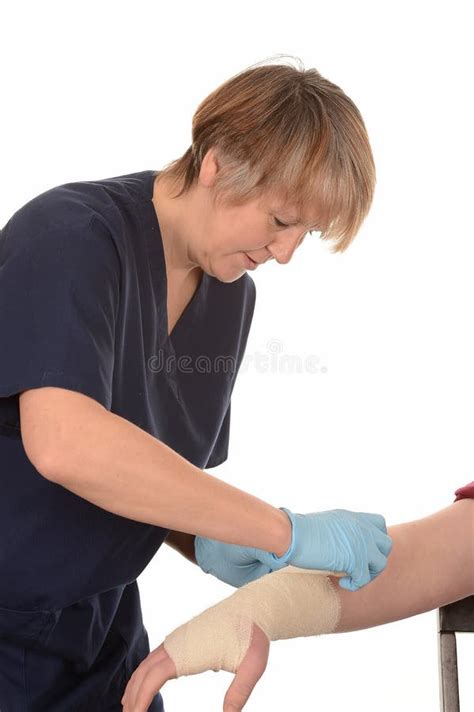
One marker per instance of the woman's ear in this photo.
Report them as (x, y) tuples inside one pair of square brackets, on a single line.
[(209, 168)]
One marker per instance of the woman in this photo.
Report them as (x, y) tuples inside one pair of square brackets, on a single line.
[(123, 303), (426, 569)]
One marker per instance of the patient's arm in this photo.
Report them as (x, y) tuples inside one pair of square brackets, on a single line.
[(431, 564)]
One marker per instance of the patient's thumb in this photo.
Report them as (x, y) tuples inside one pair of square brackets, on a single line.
[(249, 673)]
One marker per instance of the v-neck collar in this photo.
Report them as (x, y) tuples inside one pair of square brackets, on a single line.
[(155, 243)]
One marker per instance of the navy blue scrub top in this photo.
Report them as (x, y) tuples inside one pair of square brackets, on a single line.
[(83, 295)]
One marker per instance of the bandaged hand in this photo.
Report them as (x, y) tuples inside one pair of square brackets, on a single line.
[(289, 603), (235, 634)]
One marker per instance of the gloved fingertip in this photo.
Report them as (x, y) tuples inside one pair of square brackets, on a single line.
[(343, 583), (347, 583)]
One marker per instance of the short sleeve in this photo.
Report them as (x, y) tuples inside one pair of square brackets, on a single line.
[(59, 298), (221, 446)]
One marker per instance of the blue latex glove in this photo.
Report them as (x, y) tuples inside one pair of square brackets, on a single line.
[(355, 543), (233, 564)]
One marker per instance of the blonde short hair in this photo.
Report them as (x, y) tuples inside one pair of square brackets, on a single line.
[(289, 132)]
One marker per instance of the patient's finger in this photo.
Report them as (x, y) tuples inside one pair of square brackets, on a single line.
[(147, 680), (249, 673)]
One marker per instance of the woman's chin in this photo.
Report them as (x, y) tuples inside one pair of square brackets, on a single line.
[(228, 275), (228, 279)]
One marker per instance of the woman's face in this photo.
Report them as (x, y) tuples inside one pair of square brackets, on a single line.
[(221, 238), (261, 229)]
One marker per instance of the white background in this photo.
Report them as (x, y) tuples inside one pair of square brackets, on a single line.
[(93, 90)]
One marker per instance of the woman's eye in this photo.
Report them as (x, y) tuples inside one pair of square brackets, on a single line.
[(279, 222)]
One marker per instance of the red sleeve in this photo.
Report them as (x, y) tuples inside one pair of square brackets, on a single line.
[(466, 492)]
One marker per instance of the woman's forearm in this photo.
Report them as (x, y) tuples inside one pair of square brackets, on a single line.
[(430, 565), (116, 465)]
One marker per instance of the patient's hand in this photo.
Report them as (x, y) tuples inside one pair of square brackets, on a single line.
[(235, 634), (157, 668)]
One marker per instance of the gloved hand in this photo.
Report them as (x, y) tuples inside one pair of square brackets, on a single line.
[(233, 564), (337, 540)]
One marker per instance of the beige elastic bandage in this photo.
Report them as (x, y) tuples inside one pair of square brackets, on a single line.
[(289, 603)]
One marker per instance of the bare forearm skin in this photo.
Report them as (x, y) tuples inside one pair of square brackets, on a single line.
[(116, 465), (430, 565)]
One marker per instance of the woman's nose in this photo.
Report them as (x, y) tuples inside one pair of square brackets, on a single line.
[(282, 249)]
